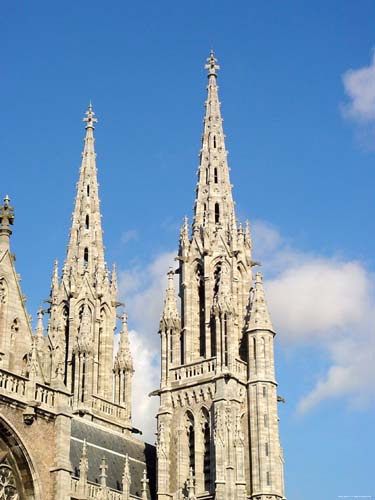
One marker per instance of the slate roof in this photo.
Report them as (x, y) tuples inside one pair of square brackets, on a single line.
[(113, 446)]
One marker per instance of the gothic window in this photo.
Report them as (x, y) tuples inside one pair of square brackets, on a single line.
[(88, 190), (86, 257), (206, 175), (254, 348), (215, 176), (8, 484), (262, 347), (83, 380), (217, 213), (201, 319), (217, 274), (3, 291), (268, 479), (266, 449), (171, 345), (213, 336), (87, 222), (206, 450), (204, 213), (191, 441), (182, 348), (225, 340), (264, 391), (265, 419), (214, 141)]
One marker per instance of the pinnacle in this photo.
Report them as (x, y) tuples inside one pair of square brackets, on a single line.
[(259, 315)]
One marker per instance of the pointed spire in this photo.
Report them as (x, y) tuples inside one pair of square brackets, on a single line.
[(211, 65), (103, 473), (126, 479), (83, 463), (6, 220), (191, 485), (124, 359), (144, 482), (259, 315), (85, 249), (214, 205), (114, 283), (39, 331), (55, 279), (170, 312), (33, 367)]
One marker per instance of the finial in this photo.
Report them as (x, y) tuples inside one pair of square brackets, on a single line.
[(6, 213), (89, 118), (103, 473), (144, 482), (211, 65)]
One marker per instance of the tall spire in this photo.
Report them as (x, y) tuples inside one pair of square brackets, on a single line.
[(259, 315), (214, 203), (85, 249), (123, 359)]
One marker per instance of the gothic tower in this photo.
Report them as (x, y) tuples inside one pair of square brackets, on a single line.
[(83, 309), (217, 434)]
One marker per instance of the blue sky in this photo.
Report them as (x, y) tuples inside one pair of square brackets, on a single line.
[(301, 138)]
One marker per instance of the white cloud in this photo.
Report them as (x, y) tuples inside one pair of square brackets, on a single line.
[(129, 235), (326, 303), (359, 85), (142, 288)]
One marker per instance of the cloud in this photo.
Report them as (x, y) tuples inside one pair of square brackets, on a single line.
[(142, 289), (359, 86), (129, 235), (323, 303), (326, 304)]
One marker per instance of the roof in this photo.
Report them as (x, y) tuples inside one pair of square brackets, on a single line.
[(113, 446)]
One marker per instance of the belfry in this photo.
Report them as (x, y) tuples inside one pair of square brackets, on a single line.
[(217, 434)]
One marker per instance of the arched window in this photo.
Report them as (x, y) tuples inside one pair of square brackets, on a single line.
[(88, 190), (85, 257), (217, 213), (225, 340), (201, 319), (206, 175), (254, 348), (182, 348), (216, 177), (171, 345), (87, 221), (214, 141), (191, 441), (206, 450)]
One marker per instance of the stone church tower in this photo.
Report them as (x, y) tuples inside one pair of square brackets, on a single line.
[(83, 308), (217, 426)]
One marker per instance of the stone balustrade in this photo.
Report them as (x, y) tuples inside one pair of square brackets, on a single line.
[(205, 367), (108, 409), (12, 384)]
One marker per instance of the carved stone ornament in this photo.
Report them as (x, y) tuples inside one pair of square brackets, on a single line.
[(8, 485)]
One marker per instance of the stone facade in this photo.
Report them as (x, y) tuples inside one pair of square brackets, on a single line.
[(66, 428), (217, 422)]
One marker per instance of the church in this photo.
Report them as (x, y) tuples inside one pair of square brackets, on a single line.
[(66, 429)]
